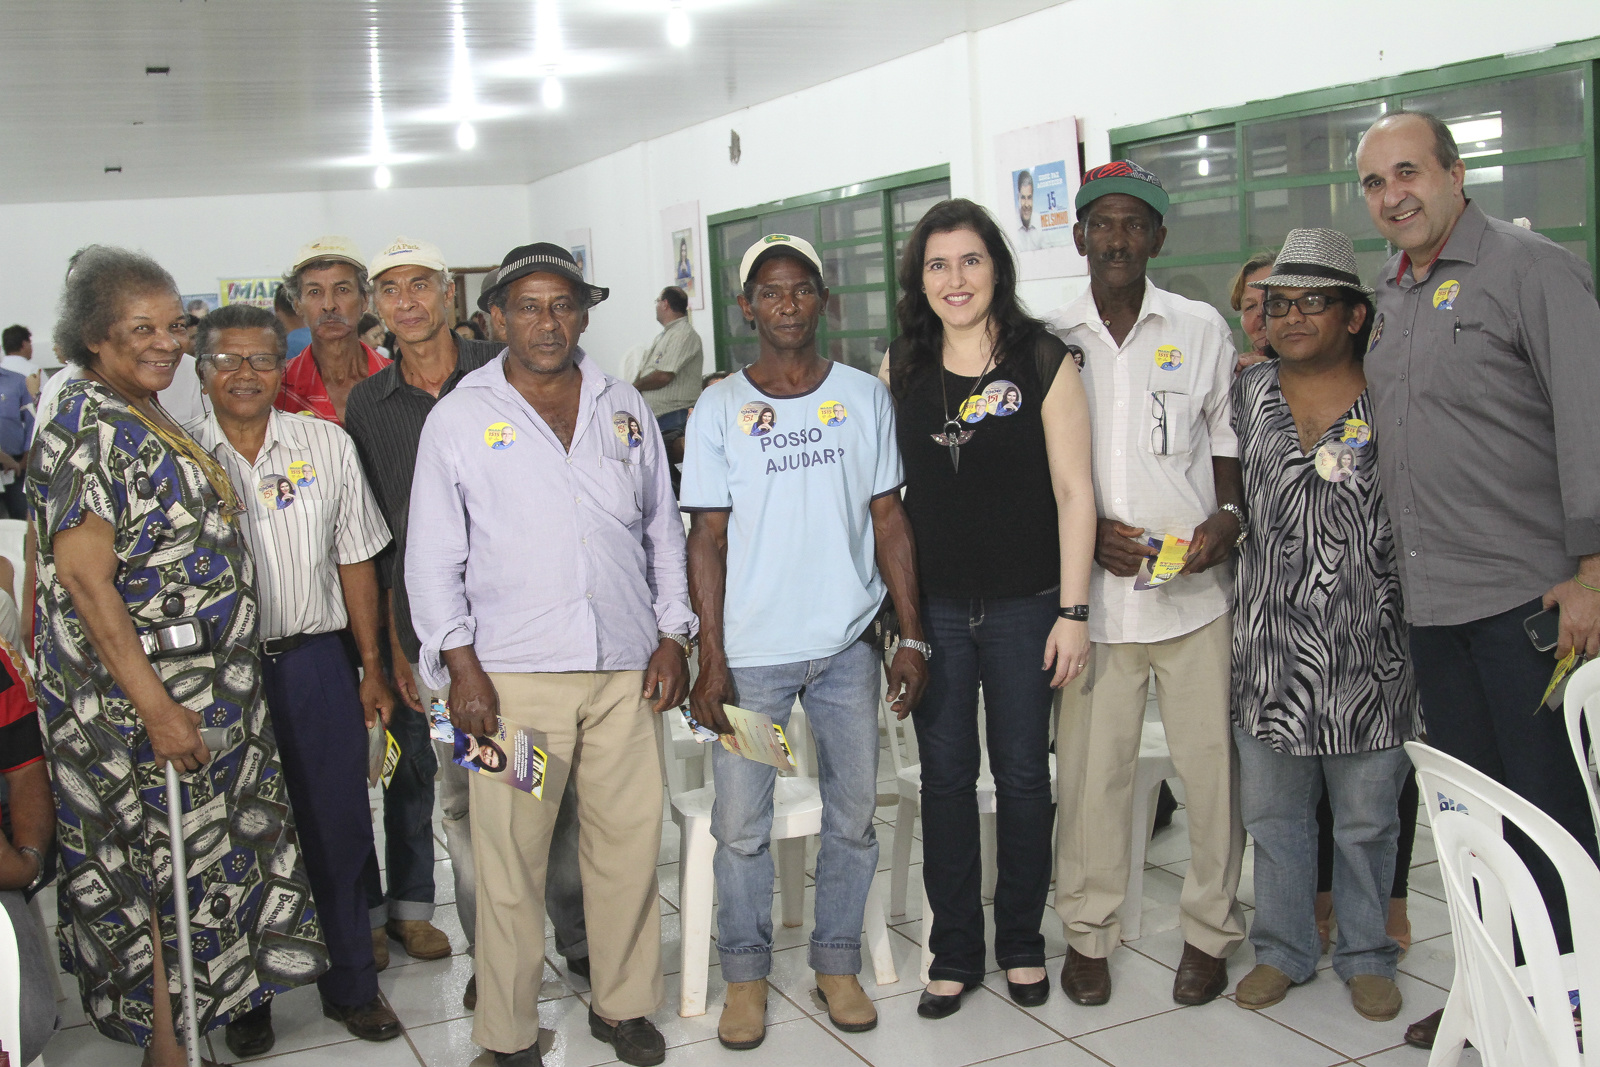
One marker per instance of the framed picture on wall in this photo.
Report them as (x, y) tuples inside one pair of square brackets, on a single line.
[(581, 245), (680, 225)]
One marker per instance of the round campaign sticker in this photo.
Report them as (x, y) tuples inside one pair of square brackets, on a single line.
[(1168, 357), (302, 473), (1336, 461), (832, 413), (1444, 297), (627, 428), (500, 436), (1377, 332), (1077, 355), (1002, 398), (973, 408), (276, 492), (757, 419), (1356, 433)]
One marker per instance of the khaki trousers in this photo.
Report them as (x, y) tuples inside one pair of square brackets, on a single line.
[(1097, 752), (594, 725)]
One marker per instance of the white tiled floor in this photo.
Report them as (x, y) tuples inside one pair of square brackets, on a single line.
[(1140, 1027)]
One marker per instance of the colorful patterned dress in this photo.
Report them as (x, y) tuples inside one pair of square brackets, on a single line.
[(179, 552)]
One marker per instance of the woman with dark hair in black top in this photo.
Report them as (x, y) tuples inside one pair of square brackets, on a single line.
[(996, 449)]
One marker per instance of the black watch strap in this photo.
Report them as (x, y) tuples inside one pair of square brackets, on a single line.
[(1077, 613)]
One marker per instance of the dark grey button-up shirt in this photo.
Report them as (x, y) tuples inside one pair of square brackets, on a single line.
[(1485, 383)]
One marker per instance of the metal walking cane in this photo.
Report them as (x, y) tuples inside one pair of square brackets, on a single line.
[(214, 739)]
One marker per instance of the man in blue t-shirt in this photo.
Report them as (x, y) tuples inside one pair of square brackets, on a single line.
[(793, 476)]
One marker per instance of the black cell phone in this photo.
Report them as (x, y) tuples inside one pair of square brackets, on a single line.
[(1544, 629)]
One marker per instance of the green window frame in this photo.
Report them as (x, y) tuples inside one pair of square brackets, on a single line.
[(1217, 221), (859, 231)]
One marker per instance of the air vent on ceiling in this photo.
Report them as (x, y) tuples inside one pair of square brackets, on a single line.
[(112, 168), (158, 70)]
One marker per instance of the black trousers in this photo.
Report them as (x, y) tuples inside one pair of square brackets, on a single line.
[(1481, 684)]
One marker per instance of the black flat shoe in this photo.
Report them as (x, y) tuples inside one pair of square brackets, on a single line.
[(251, 1033), (1029, 994), (937, 1006)]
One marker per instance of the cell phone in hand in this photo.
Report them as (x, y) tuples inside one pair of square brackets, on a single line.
[(1544, 629)]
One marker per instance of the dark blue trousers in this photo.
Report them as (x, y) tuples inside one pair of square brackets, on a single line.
[(315, 704), (1481, 683)]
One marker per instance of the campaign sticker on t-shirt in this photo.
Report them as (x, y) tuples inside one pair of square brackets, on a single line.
[(1336, 461), (627, 429), (1444, 297), (1002, 398), (1377, 332), (302, 473), (974, 408), (832, 413), (276, 492), (1356, 433), (757, 419), (500, 436), (1168, 357)]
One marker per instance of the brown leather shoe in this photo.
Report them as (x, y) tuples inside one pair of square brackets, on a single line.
[(849, 1007), (372, 1021), (1201, 978), (1422, 1033), (422, 939), (380, 947), (1085, 979), (744, 1015)]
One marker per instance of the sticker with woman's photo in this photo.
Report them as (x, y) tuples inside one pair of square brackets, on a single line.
[(500, 436), (757, 419), (627, 428), (832, 413), (1002, 398), (1336, 461), (276, 492)]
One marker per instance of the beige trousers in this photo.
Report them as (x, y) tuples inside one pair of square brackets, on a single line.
[(597, 726), (1097, 752)]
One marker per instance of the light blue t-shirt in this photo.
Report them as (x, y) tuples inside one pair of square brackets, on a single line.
[(798, 475)]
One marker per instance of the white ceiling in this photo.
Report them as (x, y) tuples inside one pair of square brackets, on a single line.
[(276, 95)]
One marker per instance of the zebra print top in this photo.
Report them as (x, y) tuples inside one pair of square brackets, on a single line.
[(1320, 659)]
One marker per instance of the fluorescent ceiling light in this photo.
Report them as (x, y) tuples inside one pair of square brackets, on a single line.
[(678, 29), (1202, 139), (551, 95), (1204, 166), (461, 80), (1476, 130), (381, 177), (466, 137)]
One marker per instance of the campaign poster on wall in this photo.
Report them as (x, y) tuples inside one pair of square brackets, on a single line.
[(581, 245), (257, 291), (680, 224), (1038, 177)]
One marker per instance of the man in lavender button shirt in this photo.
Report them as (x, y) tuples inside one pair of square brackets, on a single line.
[(568, 621)]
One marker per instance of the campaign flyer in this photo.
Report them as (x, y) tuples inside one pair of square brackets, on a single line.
[(1158, 570), (511, 756), (756, 737)]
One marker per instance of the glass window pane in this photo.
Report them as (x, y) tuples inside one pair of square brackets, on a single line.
[(860, 216), (863, 353), (734, 237), (858, 311), (1505, 116), (800, 222), (1370, 265), (1577, 248), (733, 320), (1274, 212), (908, 205), (1551, 193), (1202, 226), (853, 264), (742, 355), (1309, 144), (1191, 162), (1209, 283)]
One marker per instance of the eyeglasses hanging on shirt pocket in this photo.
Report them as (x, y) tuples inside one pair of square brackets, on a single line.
[(1168, 416)]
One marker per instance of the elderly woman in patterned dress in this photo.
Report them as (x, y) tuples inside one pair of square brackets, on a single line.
[(138, 554)]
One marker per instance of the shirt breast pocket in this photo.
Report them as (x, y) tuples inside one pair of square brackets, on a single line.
[(620, 489), (1168, 414)]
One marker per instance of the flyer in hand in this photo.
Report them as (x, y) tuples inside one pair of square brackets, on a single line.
[(510, 756), (1157, 571), (756, 737)]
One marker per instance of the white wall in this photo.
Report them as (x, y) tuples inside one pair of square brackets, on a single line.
[(1110, 62), (200, 239)]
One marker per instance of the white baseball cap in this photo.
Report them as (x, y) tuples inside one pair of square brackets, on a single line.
[(329, 247), (781, 244), (404, 252)]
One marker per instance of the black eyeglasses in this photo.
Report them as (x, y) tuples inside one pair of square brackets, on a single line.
[(1309, 304), (229, 361), (1158, 406)]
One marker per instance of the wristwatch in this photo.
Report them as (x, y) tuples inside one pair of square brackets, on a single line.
[(1244, 527), (681, 640), (1077, 613), (38, 860), (918, 646)]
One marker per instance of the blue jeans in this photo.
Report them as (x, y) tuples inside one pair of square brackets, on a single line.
[(840, 697), (1278, 796), (673, 421), (407, 828), (999, 642)]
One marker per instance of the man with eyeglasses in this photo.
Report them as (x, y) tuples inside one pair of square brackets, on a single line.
[(318, 589), (1157, 368), (1323, 693), (1486, 380)]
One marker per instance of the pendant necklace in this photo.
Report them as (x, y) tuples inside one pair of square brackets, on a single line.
[(954, 436)]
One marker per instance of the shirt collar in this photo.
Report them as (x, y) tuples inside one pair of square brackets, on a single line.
[(281, 429), (390, 378), (1461, 246), (1084, 312), (492, 376)]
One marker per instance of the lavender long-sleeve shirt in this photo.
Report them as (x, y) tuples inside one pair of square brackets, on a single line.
[(544, 559)]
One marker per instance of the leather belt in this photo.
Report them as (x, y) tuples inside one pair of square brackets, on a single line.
[(279, 646)]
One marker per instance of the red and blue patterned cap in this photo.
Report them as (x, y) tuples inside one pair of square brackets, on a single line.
[(1122, 176)]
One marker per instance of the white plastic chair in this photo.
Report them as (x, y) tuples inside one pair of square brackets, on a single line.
[(1155, 766), (1447, 784), (1583, 693), (796, 815), (1483, 873), (10, 990)]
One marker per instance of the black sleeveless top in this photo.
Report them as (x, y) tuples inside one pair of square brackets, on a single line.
[(989, 529)]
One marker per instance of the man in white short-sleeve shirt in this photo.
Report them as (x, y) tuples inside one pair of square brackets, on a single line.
[(1157, 368), (793, 477)]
